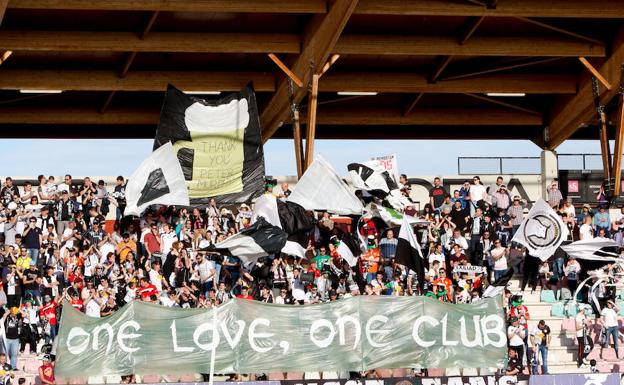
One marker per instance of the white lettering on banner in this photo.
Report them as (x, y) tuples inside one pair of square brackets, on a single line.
[(204, 327), (445, 341), (239, 333), (508, 380), (342, 334), (319, 324), (455, 381), (493, 324), (381, 332), (174, 337), (477, 341), (476, 380), (96, 335), (415, 329), (77, 332), (252, 335), (431, 381), (121, 335)]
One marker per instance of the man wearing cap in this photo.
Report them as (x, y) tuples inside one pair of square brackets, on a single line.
[(516, 335), (554, 195), (46, 371)]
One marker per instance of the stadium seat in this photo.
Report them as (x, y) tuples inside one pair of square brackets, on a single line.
[(312, 376), (435, 372), (400, 373), (294, 376), (557, 310), (608, 354), (171, 378), (469, 372), (273, 376), (335, 376), (109, 379), (150, 379), (594, 354), (568, 325), (453, 372), (571, 308), (617, 367), (565, 294), (548, 296), (188, 378)]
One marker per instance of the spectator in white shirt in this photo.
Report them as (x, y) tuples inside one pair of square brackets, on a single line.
[(586, 231), (610, 321)]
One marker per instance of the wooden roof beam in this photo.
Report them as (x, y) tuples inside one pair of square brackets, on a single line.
[(504, 8), (330, 116), (290, 43), (247, 6), (75, 80), (319, 40), (579, 109), (476, 46)]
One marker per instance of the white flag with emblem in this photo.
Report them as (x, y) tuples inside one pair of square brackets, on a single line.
[(542, 231)]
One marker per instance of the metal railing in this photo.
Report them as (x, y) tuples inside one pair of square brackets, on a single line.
[(498, 165), (580, 161)]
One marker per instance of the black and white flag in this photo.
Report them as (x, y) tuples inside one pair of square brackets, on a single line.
[(595, 249), (373, 178), (259, 240), (218, 144), (289, 217), (158, 180), (408, 251), (542, 231), (498, 287), (349, 249)]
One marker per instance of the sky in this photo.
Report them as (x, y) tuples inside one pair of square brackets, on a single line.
[(99, 157)]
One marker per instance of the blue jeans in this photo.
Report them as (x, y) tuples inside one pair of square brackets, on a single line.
[(558, 267), (543, 351), (613, 331), (34, 255), (498, 274), (13, 347)]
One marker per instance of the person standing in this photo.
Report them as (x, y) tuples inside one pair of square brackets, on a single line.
[(554, 194), (610, 322), (437, 194), (516, 335), (12, 320), (540, 340), (581, 334)]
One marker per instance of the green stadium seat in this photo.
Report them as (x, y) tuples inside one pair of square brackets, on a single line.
[(548, 296)]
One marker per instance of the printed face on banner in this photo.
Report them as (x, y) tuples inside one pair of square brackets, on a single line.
[(573, 186)]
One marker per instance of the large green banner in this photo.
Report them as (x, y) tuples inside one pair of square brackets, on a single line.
[(354, 334)]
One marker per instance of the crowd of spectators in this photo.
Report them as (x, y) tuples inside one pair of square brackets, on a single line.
[(55, 247)]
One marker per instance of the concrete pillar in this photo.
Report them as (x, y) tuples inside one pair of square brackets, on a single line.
[(549, 171)]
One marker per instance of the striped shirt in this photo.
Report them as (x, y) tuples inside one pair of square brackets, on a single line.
[(554, 197), (388, 247), (516, 213)]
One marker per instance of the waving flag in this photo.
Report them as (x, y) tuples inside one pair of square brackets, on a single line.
[(258, 240), (373, 178), (288, 216), (158, 180), (408, 251), (542, 231), (595, 249), (320, 188), (217, 143)]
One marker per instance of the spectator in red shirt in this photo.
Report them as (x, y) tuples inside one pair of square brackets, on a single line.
[(152, 241), (245, 294), (146, 290)]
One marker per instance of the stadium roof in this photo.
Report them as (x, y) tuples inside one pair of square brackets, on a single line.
[(431, 63)]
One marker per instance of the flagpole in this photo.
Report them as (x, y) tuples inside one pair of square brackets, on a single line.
[(214, 345)]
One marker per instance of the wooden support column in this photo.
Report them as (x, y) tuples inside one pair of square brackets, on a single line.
[(619, 139), (604, 138), (296, 128), (311, 127)]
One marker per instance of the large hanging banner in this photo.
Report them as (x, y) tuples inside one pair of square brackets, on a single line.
[(218, 144), (354, 334)]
